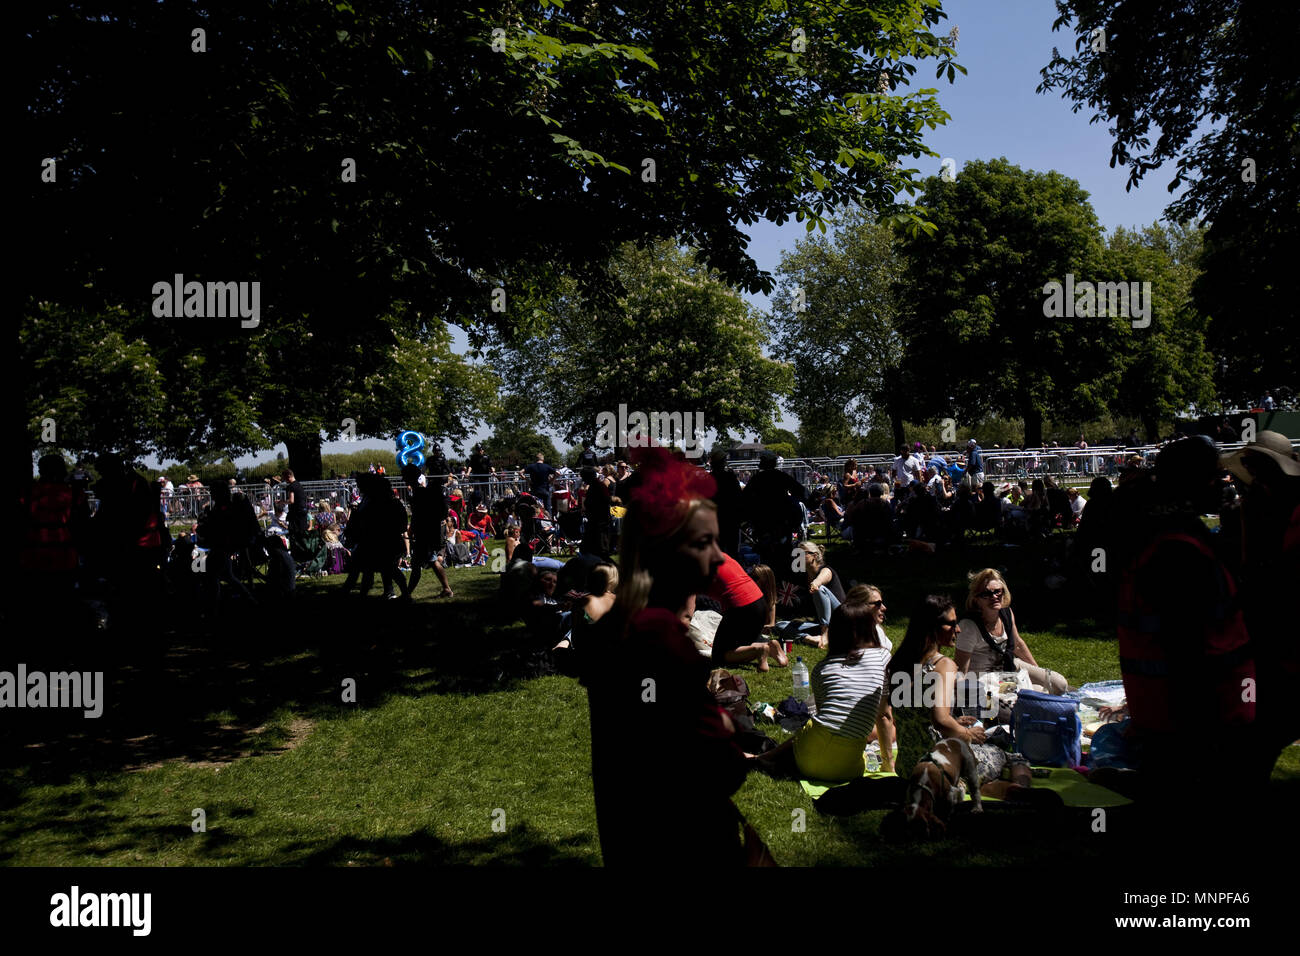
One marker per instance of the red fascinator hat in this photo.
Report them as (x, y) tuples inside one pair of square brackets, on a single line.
[(665, 485)]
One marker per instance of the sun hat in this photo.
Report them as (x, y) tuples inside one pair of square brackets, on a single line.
[(1273, 444), (191, 477)]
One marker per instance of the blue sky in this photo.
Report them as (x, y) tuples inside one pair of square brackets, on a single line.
[(994, 112)]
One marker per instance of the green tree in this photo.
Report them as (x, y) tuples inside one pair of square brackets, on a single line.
[(1218, 82), (1165, 368), (515, 421), (978, 338), (773, 435), (483, 161), (677, 340), (827, 435), (783, 449), (835, 319), (92, 376)]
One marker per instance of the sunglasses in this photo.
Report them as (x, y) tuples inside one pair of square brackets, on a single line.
[(875, 603), (947, 623), (990, 593)]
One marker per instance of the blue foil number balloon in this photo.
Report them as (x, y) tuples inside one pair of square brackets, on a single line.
[(410, 449)]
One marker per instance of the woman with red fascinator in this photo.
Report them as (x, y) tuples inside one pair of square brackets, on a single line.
[(664, 762)]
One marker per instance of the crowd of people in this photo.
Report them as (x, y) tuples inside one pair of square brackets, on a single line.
[(1199, 615)]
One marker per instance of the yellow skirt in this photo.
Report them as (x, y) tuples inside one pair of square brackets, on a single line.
[(822, 755)]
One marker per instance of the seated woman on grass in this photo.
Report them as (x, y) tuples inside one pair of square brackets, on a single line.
[(745, 612), (988, 640), (918, 672), (824, 588), (849, 688)]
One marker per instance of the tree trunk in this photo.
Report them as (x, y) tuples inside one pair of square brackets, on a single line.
[(1151, 425), (304, 458), (896, 426), (1033, 427)]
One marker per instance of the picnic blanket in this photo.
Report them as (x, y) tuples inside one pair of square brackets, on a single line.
[(1073, 787)]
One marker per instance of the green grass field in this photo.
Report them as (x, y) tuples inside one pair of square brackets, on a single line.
[(452, 753)]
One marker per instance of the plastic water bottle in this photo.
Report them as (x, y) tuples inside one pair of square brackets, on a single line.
[(800, 675)]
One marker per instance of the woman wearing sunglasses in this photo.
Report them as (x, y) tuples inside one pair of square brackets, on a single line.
[(988, 638), (922, 689)]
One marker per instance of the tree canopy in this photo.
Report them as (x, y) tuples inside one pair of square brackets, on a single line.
[(835, 319), (384, 168), (1215, 83), (978, 339), (678, 340)]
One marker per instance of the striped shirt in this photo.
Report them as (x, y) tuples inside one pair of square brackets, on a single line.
[(848, 695)]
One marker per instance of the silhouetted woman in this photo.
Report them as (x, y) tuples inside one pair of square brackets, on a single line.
[(668, 804)]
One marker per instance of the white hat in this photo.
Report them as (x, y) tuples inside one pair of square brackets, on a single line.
[(1273, 444)]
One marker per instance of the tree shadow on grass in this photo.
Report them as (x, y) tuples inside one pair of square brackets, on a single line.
[(85, 826), (519, 845), (211, 692)]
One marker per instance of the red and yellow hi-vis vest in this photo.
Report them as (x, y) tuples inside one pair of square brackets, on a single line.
[(1228, 675), (49, 545)]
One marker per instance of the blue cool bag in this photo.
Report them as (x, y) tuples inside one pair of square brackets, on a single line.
[(1046, 729)]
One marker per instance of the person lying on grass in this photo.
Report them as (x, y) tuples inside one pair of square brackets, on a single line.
[(849, 688)]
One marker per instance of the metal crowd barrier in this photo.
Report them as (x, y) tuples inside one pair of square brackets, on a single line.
[(1069, 464)]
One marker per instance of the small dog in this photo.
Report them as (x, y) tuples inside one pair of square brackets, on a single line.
[(933, 790)]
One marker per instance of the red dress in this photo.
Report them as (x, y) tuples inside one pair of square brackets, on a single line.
[(663, 763)]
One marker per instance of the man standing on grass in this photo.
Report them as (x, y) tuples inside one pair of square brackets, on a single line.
[(771, 501), (296, 498), (541, 476), (975, 461)]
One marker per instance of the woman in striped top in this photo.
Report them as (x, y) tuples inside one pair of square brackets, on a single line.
[(848, 686)]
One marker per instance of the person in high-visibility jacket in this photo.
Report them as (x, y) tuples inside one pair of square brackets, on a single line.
[(55, 516), (1185, 653)]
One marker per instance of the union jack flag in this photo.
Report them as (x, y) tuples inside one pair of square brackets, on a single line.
[(787, 595)]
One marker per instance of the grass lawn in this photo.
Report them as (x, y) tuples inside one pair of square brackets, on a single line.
[(454, 753)]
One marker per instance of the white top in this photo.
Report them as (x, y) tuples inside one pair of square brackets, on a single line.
[(1077, 505), (884, 638), (849, 695), (982, 657)]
